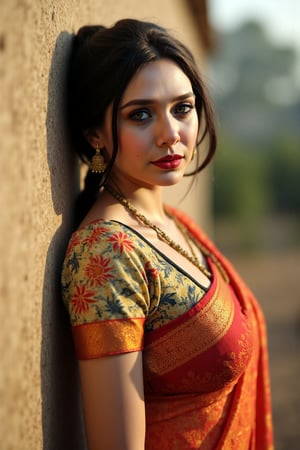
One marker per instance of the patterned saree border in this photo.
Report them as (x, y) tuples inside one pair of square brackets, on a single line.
[(217, 315), (112, 337)]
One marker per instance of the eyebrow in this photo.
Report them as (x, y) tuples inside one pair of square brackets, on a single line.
[(147, 101)]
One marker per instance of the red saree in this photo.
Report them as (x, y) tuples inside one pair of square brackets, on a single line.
[(206, 373), (206, 377)]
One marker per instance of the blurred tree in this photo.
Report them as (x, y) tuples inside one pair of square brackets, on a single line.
[(241, 188), (285, 176), (257, 168), (254, 87)]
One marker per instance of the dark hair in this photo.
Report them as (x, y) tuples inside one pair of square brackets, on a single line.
[(103, 62)]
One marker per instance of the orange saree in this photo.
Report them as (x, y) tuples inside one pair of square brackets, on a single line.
[(206, 377), (206, 373)]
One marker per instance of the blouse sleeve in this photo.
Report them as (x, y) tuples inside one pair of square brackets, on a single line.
[(106, 290)]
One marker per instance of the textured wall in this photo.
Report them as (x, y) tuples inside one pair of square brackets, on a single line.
[(38, 378)]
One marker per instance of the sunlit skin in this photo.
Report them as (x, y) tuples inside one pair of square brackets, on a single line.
[(132, 238), (158, 127)]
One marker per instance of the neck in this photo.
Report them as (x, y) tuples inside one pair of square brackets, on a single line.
[(163, 236), (147, 222), (148, 201)]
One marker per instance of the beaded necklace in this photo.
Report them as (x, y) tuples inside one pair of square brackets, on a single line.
[(164, 237)]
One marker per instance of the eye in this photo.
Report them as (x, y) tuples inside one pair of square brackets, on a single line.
[(183, 108), (140, 115)]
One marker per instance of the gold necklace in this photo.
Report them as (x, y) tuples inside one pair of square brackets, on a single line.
[(163, 236)]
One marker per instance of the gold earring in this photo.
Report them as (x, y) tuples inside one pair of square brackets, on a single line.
[(194, 153), (98, 164)]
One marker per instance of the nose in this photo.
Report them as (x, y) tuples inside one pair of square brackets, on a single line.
[(167, 133)]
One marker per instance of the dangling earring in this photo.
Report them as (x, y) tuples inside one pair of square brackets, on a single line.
[(98, 164), (194, 153)]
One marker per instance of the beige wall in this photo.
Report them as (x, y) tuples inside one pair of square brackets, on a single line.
[(38, 377)]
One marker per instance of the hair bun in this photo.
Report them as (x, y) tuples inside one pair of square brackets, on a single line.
[(85, 33)]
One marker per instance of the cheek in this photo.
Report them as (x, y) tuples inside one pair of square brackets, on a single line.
[(196, 130), (191, 132), (132, 141)]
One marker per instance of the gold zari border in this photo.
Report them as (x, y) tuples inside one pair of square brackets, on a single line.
[(93, 340), (212, 323)]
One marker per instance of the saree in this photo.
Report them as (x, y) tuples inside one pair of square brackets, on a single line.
[(206, 377), (236, 415)]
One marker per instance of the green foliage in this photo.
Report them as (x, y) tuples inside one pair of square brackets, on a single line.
[(240, 183), (285, 176), (257, 167), (248, 184)]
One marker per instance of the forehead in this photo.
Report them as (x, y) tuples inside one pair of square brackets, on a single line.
[(158, 79)]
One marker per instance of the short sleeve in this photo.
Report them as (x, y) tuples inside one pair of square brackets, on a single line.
[(106, 289)]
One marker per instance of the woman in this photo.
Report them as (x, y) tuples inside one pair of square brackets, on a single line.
[(171, 343)]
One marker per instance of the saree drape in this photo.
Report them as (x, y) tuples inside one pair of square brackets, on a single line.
[(206, 377), (198, 396)]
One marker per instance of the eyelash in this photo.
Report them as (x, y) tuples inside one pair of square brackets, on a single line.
[(188, 107), (134, 115)]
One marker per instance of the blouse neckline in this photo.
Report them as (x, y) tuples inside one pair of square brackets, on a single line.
[(159, 252)]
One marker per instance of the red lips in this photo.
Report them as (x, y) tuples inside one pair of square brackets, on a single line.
[(167, 158), (168, 162)]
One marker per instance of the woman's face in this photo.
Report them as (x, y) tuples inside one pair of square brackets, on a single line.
[(157, 127)]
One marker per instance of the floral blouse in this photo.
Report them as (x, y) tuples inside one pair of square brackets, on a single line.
[(111, 272), (204, 360)]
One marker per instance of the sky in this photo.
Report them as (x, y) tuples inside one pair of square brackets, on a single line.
[(281, 18)]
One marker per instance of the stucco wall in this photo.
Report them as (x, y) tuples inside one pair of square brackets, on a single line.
[(38, 377)]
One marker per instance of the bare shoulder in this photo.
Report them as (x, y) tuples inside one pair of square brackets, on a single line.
[(107, 208)]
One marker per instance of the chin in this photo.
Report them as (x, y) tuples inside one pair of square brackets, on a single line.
[(171, 180)]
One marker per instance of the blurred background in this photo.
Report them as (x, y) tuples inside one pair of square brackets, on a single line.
[(254, 77), (250, 53)]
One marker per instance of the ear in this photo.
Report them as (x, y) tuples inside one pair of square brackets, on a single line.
[(94, 137)]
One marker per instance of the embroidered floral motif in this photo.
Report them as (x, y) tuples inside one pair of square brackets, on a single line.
[(82, 299), (73, 263), (143, 292), (98, 270), (238, 360), (150, 271), (121, 242), (126, 275), (74, 241), (93, 238)]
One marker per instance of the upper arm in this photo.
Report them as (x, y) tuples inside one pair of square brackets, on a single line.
[(106, 291), (113, 402)]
